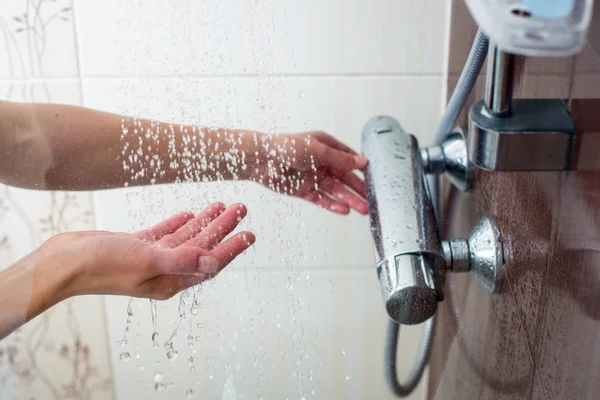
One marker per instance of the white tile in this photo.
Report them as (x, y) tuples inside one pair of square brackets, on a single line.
[(156, 37), (340, 106), (272, 335), (288, 230), (67, 345), (37, 39), (64, 91)]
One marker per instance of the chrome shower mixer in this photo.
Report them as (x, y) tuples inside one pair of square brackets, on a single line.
[(504, 134), (411, 259)]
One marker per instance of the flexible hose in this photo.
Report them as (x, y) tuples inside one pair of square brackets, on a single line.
[(464, 86), (462, 90), (457, 102), (414, 376)]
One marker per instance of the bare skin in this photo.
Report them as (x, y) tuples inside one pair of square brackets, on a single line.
[(58, 147)]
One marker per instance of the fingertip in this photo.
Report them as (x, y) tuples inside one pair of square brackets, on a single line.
[(360, 161), (241, 209), (339, 208), (218, 205), (186, 215), (361, 207), (248, 237)]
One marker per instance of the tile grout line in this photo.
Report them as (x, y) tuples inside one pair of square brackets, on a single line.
[(421, 77), (311, 268), (231, 76)]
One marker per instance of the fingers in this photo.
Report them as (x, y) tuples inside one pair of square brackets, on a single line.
[(322, 200), (352, 181), (165, 286), (166, 227), (194, 226), (332, 142), (339, 191), (219, 228), (233, 247), (182, 260), (186, 251), (330, 157)]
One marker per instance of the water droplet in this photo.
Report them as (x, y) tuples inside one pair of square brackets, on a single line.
[(194, 310), (189, 394), (347, 378), (158, 376), (124, 356), (159, 387), (172, 355)]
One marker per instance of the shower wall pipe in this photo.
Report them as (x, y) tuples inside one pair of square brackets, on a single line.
[(499, 81)]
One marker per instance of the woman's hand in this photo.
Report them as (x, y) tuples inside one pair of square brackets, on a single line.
[(314, 166), (157, 263)]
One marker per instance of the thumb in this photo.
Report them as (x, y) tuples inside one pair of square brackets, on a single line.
[(183, 260)]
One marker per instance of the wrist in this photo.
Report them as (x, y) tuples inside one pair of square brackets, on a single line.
[(31, 286), (257, 149), (54, 272), (237, 155)]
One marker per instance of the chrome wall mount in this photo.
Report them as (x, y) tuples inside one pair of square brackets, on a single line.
[(507, 134), (537, 136), (411, 259), (451, 159), (480, 254)]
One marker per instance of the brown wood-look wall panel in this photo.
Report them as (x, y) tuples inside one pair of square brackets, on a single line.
[(569, 356), (485, 343), (540, 337)]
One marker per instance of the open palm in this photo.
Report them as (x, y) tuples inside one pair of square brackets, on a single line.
[(156, 263)]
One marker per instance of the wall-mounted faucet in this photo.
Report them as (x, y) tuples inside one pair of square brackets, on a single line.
[(503, 134), (411, 259)]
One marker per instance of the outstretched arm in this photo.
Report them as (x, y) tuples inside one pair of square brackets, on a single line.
[(61, 147)]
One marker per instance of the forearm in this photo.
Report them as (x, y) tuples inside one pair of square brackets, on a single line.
[(28, 288), (59, 147)]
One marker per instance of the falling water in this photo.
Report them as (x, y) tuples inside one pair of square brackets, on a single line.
[(154, 314), (191, 163)]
